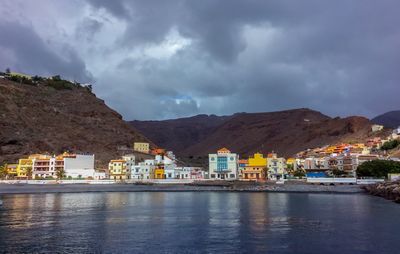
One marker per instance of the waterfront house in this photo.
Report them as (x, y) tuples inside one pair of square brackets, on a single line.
[(315, 166), (11, 170), (39, 166), (143, 170), (25, 168), (77, 165), (197, 173), (130, 164), (344, 163), (43, 166), (223, 165), (183, 172), (276, 166), (159, 172), (256, 168), (241, 166), (117, 169)]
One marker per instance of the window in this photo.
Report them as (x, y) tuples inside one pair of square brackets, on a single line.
[(212, 175), (232, 175), (222, 163), (232, 158)]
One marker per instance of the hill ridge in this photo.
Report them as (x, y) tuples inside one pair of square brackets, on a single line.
[(36, 118), (286, 132)]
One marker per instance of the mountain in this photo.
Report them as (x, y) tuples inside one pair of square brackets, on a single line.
[(179, 134), (56, 117), (390, 119), (286, 132)]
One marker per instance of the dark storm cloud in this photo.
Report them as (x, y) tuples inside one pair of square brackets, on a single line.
[(117, 8), (30, 54), (88, 28), (160, 59)]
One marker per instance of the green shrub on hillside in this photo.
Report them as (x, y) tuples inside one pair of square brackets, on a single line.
[(378, 168), (59, 84), (21, 80), (390, 145)]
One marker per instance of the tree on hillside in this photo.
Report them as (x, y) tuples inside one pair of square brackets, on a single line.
[(378, 168), (8, 71), (56, 78), (390, 145)]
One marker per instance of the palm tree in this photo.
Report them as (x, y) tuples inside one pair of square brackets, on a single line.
[(3, 172), (60, 173), (29, 173)]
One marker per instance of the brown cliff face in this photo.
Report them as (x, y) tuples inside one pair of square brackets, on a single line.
[(37, 119), (286, 132), (179, 134)]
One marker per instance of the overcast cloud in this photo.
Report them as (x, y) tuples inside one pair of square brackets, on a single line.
[(167, 59)]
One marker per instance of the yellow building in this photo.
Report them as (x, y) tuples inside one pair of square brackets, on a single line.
[(24, 168), (141, 147), (11, 170), (117, 169), (256, 168), (159, 172)]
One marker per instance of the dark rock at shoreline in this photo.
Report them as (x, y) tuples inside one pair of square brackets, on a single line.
[(388, 190)]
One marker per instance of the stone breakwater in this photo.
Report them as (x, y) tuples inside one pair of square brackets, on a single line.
[(388, 190)]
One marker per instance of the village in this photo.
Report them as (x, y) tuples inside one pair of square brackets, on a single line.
[(144, 164)]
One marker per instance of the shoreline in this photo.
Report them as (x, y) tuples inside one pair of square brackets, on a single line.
[(8, 189)]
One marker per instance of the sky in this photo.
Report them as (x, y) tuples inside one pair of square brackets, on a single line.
[(157, 59)]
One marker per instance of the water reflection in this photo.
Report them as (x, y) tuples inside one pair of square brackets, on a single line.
[(194, 222)]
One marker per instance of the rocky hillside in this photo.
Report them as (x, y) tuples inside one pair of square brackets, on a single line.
[(179, 134), (390, 119), (286, 132), (42, 118)]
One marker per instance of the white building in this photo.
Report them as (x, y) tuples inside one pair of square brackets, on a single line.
[(276, 167), (45, 166), (100, 175), (183, 172), (397, 130), (79, 166), (73, 165), (316, 163), (376, 127), (129, 164), (190, 173), (223, 165), (143, 170)]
